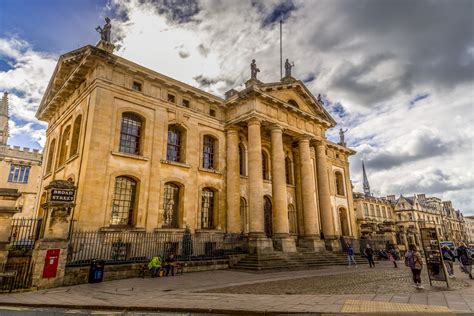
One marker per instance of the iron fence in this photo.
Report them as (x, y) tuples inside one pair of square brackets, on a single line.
[(24, 233), (129, 246), (14, 276)]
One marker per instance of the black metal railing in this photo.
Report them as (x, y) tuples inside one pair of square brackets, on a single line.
[(24, 233), (15, 276), (128, 246)]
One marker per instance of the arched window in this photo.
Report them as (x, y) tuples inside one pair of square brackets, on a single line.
[(292, 219), (208, 152), (242, 164), (339, 184), (130, 134), (175, 149), (265, 169), (171, 206), (75, 136), (293, 102), (288, 171), (64, 145), (243, 215), (123, 204), (207, 208), (49, 164)]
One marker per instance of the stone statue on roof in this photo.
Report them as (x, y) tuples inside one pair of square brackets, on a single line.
[(341, 137), (253, 70), (288, 67), (105, 30)]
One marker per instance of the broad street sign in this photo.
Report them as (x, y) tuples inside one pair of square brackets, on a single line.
[(62, 195)]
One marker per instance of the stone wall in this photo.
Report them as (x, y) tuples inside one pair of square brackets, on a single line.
[(80, 275)]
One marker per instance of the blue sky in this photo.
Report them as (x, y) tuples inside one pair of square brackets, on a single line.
[(401, 82)]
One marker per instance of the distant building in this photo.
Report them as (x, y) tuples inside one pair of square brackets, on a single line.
[(469, 220)]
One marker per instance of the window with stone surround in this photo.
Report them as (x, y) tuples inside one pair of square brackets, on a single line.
[(75, 136), (265, 169), (123, 204), (207, 208), (243, 215), (19, 173), (292, 219), (171, 205), (208, 161), (372, 211), (130, 133), (379, 214), (176, 143), (64, 145), (49, 163), (339, 184), (242, 160), (171, 98), (137, 86), (366, 209), (288, 171)]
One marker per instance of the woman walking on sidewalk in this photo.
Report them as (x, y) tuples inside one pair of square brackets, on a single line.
[(369, 253), (414, 261)]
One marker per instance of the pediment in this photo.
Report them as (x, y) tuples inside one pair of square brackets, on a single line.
[(296, 94)]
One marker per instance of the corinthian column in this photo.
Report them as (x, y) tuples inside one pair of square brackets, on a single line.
[(311, 236), (327, 218), (257, 239), (280, 206), (233, 181)]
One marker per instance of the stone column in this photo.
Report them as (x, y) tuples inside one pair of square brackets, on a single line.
[(311, 235), (233, 181), (280, 201), (258, 242), (327, 218)]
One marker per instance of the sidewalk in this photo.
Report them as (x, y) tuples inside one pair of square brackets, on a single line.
[(198, 292)]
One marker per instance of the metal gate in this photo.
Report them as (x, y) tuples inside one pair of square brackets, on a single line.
[(15, 276)]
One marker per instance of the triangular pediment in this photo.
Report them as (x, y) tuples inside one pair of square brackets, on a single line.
[(295, 93)]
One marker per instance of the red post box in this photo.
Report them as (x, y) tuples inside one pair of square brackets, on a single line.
[(51, 263)]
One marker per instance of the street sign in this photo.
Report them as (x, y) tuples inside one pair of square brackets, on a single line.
[(62, 195), (433, 255)]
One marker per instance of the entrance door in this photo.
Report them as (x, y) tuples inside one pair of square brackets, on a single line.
[(268, 216)]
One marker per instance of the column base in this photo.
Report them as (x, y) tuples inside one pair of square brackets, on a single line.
[(284, 243), (260, 244), (312, 243), (333, 244)]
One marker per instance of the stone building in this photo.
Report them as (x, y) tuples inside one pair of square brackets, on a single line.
[(453, 222), (20, 172), (150, 153), (469, 225)]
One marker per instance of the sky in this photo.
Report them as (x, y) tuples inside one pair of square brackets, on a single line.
[(399, 75)]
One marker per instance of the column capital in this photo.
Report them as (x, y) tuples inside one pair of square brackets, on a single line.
[(254, 121), (275, 127), (232, 129), (304, 139)]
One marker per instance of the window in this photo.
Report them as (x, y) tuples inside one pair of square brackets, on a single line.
[(384, 211), (130, 134), (19, 173), (171, 206), (49, 164), (292, 219), (212, 112), (185, 103), (173, 152), (288, 171), (208, 152), (137, 86), (75, 136), (243, 215), (265, 171), (293, 103), (171, 98), (242, 166), (123, 204), (64, 146), (207, 208), (366, 209), (339, 184), (372, 212), (378, 211)]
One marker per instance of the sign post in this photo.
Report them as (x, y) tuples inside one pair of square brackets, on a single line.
[(434, 258)]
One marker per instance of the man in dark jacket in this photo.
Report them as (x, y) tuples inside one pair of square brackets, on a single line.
[(448, 258), (465, 259), (369, 253)]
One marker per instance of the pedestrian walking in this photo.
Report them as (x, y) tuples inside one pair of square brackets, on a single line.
[(465, 259), (392, 257), (369, 253), (414, 261), (449, 258), (350, 256)]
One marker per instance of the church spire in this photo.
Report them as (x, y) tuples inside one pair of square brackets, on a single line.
[(4, 119), (366, 181)]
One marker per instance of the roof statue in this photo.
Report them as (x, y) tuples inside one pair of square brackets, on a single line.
[(253, 70), (320, 99), (341, 137), (105, 31), (288, 67), (365, 181)]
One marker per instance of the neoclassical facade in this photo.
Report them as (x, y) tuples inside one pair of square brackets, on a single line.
[(149, 153)]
